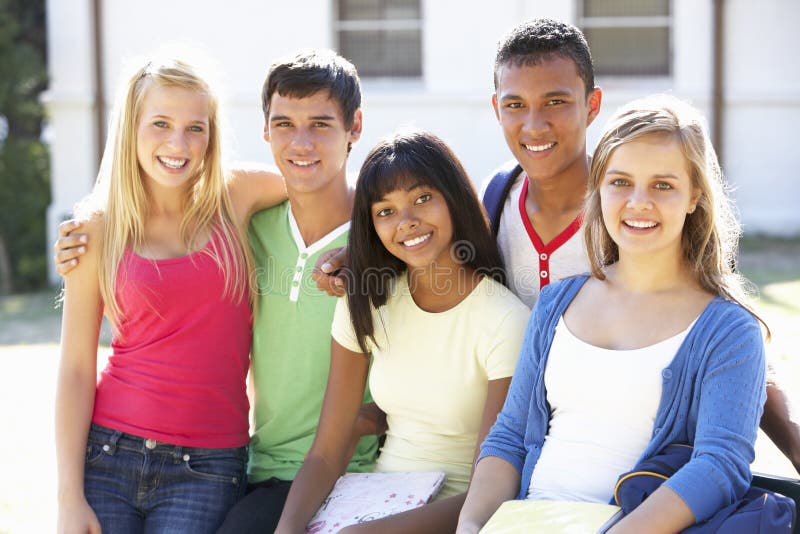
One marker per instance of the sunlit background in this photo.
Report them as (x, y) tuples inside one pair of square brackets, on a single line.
[(426, 63)]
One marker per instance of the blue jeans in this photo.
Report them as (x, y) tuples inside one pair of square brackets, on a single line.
[(137, 485)]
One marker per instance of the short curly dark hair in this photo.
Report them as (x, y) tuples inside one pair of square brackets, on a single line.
[(540, 39)]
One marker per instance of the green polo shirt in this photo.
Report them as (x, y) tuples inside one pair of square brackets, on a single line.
[(291, 347)]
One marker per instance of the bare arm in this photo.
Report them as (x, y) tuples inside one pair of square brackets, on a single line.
[(781, 424), (371, 421), (440, 516), (77, 378), (494, 482), (253, 188), (663, 512), (328, 456)]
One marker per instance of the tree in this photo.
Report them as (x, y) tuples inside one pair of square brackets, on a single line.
[(24, 163)]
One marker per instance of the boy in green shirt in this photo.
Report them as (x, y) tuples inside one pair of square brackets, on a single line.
[(312, 117)]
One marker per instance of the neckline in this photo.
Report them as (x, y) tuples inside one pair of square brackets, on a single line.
[(555, 243), (404, 288), (320, 243), (166, 261), (675, 338)]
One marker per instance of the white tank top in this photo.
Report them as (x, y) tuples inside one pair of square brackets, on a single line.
[(603, 405)]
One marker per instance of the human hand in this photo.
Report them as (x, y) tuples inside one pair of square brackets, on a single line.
[(75, 516), (69, 247), (327, 272)]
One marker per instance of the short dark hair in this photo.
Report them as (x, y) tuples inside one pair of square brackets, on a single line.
[(310, 71), (540, 39), (406, 159)]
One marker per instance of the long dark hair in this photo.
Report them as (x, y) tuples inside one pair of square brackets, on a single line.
[(408, 158)]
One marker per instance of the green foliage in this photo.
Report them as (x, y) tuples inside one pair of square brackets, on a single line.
[(24, 165)]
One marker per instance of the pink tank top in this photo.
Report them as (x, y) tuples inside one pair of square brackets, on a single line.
[(178, 369)]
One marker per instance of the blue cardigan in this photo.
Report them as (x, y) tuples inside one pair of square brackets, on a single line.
[(712, 397)]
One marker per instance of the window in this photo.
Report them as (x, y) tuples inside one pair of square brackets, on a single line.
[(383, 38), (628, 37)]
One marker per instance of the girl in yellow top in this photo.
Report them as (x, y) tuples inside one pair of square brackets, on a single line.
[(426, 301)]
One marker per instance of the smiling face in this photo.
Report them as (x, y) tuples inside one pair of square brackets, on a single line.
[(309, 140), (544, 111), (646, 193), (414, 225), (172, 135)]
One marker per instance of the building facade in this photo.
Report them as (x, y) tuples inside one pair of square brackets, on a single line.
[(428, 63)]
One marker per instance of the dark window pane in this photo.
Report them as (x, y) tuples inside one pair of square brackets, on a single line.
[(383, 53), (378, 9), (630, 51), (402, 9), (359, 9), (625, 8)]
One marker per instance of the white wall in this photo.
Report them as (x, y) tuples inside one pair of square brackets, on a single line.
[(762, 97), (453, 97)]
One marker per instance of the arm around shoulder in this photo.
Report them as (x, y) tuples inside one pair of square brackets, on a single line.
[(253, 188)]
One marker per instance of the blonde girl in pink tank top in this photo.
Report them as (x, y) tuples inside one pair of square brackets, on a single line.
[(159, 441)]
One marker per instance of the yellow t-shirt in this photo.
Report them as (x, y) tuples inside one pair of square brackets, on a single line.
[(430, 374)]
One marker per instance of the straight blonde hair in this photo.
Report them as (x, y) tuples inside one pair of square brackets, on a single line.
[(120, 197)]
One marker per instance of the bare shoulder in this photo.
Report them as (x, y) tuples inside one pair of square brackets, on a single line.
[(93, 224), (252, 175), (253, 187)]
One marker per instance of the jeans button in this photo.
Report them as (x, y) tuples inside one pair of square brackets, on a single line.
[(150, 444)]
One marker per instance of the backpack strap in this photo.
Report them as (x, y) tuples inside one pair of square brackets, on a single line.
[(497, 192)]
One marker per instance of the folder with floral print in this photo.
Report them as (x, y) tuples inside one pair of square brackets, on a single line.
[(361, 497)]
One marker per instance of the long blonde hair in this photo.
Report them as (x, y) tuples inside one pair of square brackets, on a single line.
[(711, 233), (119, 193)]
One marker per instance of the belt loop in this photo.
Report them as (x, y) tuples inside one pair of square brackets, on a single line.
[(112, 442), (177, 454)]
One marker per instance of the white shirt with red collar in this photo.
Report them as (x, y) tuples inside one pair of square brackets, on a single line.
[(530, 263)]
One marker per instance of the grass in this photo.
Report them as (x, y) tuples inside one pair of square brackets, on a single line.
[(30, 328)]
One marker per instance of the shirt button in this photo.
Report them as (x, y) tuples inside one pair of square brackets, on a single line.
[(656, 431), (299, 269), (304, 255), (543, 256), (295, 284), (150, 444), (667, 374), (543, 274)]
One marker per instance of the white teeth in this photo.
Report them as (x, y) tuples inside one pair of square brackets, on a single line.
[(416, 240), (539, 148), (641, 224), (303, 163), (172, 163)]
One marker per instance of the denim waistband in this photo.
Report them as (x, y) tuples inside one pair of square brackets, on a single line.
[(114, 439)]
